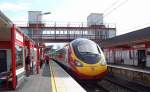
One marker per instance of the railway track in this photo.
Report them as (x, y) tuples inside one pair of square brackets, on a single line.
[(108, 84), (92, 86)]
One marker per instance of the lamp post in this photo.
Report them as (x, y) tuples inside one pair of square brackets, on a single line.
[(38, 48)]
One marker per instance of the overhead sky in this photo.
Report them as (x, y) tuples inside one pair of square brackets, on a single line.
[(128, 15)]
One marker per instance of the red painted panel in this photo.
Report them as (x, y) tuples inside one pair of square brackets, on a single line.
[(5, 44), (29, 44), (26, 43), (147, 45)]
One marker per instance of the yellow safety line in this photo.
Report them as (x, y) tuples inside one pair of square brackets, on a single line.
[(53, 83)]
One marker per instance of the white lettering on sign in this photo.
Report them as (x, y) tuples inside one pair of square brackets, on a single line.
[(19, 37), (139, 46)]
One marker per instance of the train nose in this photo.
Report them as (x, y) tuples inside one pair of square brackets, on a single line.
[(92, 70)]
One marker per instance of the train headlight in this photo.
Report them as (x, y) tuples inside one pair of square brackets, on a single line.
[(77, 63)]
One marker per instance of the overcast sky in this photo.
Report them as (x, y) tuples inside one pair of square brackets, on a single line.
[(127, 17)]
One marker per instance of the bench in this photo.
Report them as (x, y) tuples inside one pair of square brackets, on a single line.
[(5, 79)]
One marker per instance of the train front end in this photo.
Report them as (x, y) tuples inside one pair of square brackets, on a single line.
[(88, 60)]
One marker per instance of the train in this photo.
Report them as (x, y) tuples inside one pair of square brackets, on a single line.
[(84, 58)]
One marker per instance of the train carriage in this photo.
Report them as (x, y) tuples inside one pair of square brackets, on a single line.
[(84, 57)]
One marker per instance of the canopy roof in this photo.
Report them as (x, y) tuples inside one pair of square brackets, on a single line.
[(138, 36)]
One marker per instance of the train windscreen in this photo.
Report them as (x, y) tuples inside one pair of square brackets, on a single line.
[(88, 48), (87, 51)]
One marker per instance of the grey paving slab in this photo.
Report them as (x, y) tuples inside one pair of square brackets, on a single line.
[(36, 83)]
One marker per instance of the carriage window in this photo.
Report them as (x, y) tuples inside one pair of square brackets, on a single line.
[(19, 56)]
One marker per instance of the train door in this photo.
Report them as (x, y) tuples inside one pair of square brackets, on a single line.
[(3, 61), (141, 58)]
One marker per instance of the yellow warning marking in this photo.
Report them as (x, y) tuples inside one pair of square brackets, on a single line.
[(53, 83)]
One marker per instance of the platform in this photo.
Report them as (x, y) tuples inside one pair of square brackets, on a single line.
[(52, 78), (36, 83), (62, 81)]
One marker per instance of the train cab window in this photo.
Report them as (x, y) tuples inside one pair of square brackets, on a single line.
[(87, 51), (19, 56)]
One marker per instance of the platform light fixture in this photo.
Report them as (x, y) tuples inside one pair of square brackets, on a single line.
[(46, 13)]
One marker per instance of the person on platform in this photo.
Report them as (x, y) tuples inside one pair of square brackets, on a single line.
[(47, 59), (27, 63), (41, 61)]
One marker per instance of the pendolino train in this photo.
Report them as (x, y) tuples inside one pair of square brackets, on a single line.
[(84, 57)]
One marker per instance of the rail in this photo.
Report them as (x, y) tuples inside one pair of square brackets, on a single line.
[(120, 84)]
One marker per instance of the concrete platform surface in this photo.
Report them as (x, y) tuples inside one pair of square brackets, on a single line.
[(36, 83), (63, 82)]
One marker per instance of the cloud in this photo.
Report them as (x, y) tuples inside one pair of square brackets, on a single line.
[(13, 7)]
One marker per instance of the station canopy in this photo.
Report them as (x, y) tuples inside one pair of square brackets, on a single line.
[(135, 37), (5, 28)]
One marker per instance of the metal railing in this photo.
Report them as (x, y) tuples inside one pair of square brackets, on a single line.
[(62, 31), (62, 24)]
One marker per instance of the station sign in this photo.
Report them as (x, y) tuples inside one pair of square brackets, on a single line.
[(139, 46), (19, 37)]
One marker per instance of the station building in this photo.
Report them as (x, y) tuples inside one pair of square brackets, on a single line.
[(130, 49), (14, 48)]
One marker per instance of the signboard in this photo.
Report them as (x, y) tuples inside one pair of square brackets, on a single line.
[(139, 46), (19, 37)]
